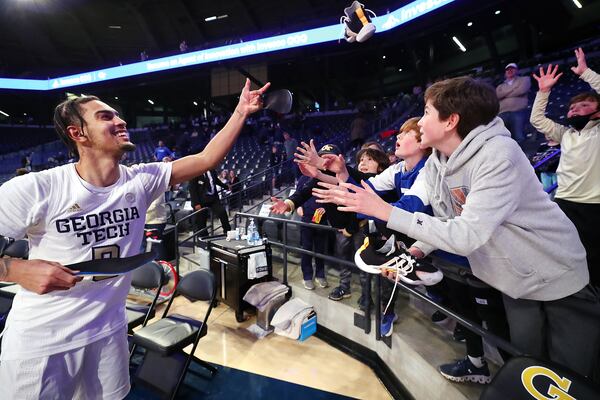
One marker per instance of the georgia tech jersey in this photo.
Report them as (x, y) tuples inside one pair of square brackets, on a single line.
[(68, 220)]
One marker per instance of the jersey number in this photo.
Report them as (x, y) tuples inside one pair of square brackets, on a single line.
[(110, 251)]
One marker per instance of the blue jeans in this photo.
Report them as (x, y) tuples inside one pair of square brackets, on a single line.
[(548, 179), (515, 122)]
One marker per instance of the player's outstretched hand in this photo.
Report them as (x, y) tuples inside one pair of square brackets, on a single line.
[(581, 63), (548, 78), (42, 276), (251, 100)]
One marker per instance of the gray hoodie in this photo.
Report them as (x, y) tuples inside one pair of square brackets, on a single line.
[(490, 207)]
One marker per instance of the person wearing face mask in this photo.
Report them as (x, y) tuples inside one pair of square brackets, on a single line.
[(578, 172)]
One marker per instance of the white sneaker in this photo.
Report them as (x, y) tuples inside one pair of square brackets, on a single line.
[(308, 285), (322, 282)]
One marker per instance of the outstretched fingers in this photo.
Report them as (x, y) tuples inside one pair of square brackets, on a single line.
[(260, 91)]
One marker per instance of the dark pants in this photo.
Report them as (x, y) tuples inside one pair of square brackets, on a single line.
[(515, 122), (478, 304), (218, 211), (345, 247), (566, 331), (586, 218), (309, 240)]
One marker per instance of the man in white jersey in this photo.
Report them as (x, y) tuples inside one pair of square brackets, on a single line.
[(66, 337)]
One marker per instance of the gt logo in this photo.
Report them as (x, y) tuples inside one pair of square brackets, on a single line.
[(558, 392)]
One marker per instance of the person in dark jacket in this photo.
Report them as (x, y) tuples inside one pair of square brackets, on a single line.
[(203, 193)]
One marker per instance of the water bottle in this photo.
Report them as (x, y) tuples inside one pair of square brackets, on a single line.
[(255, 237), (250, 232)]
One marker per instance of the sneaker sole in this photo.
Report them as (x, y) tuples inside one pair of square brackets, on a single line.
[(482, 379), (389, 333), (365, 33), (436, 277), (346, 296), (365, 267)]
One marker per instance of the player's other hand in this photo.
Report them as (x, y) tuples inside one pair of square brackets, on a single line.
[(41, 276)]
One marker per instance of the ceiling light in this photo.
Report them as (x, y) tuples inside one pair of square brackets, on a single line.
[(25, 114), (3, 113), (459, 44), (383, 57), (222, 16), (150, 101), (497, 12), (399, 69), (214, 17), (470, 24), (195, 103), (114, 27), (577, 3), (116, 97)]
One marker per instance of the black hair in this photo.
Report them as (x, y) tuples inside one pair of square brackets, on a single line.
[(69, 113)]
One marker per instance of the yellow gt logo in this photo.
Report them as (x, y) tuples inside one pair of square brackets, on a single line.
[(558, 392)]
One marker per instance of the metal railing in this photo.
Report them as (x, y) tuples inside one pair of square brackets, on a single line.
[(194, 234), (467, 323)]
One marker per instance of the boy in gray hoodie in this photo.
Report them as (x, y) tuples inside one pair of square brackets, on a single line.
[(489, 206)]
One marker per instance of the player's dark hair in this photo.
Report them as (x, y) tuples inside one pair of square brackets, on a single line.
[(69, 113)]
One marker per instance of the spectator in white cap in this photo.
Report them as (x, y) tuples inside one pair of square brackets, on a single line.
[(512, 94)]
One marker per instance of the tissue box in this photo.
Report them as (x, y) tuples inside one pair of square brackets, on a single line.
[(309, 326)]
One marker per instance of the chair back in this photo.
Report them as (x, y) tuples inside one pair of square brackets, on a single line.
[(198, 285), (148, 276), (530, 378)]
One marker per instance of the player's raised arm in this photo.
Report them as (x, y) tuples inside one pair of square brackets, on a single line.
[(188, 167)]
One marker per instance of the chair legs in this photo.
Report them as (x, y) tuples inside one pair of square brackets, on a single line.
[(206, 365)]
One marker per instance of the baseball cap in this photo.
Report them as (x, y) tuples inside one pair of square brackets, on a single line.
[(330, 149), (511, 65)]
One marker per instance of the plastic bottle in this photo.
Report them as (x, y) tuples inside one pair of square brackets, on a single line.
[(256, 237), (251, 232)]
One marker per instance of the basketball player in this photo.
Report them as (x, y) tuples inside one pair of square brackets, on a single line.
[(66, 337)]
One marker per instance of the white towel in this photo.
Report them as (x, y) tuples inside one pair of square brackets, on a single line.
[(293, 330), (257, 265), (260, 294), (288, 312)]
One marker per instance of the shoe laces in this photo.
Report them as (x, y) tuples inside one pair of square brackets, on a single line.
[(404, 265)]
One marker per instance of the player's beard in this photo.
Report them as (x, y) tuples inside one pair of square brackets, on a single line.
[(128, 147)]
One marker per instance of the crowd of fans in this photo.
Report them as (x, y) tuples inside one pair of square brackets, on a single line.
[(474, 203)]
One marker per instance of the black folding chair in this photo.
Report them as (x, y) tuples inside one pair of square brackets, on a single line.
[(148, 276), (165, 364), (529, 378)]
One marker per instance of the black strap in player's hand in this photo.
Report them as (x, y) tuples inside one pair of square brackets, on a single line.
[(279, 101), (112, 266)]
